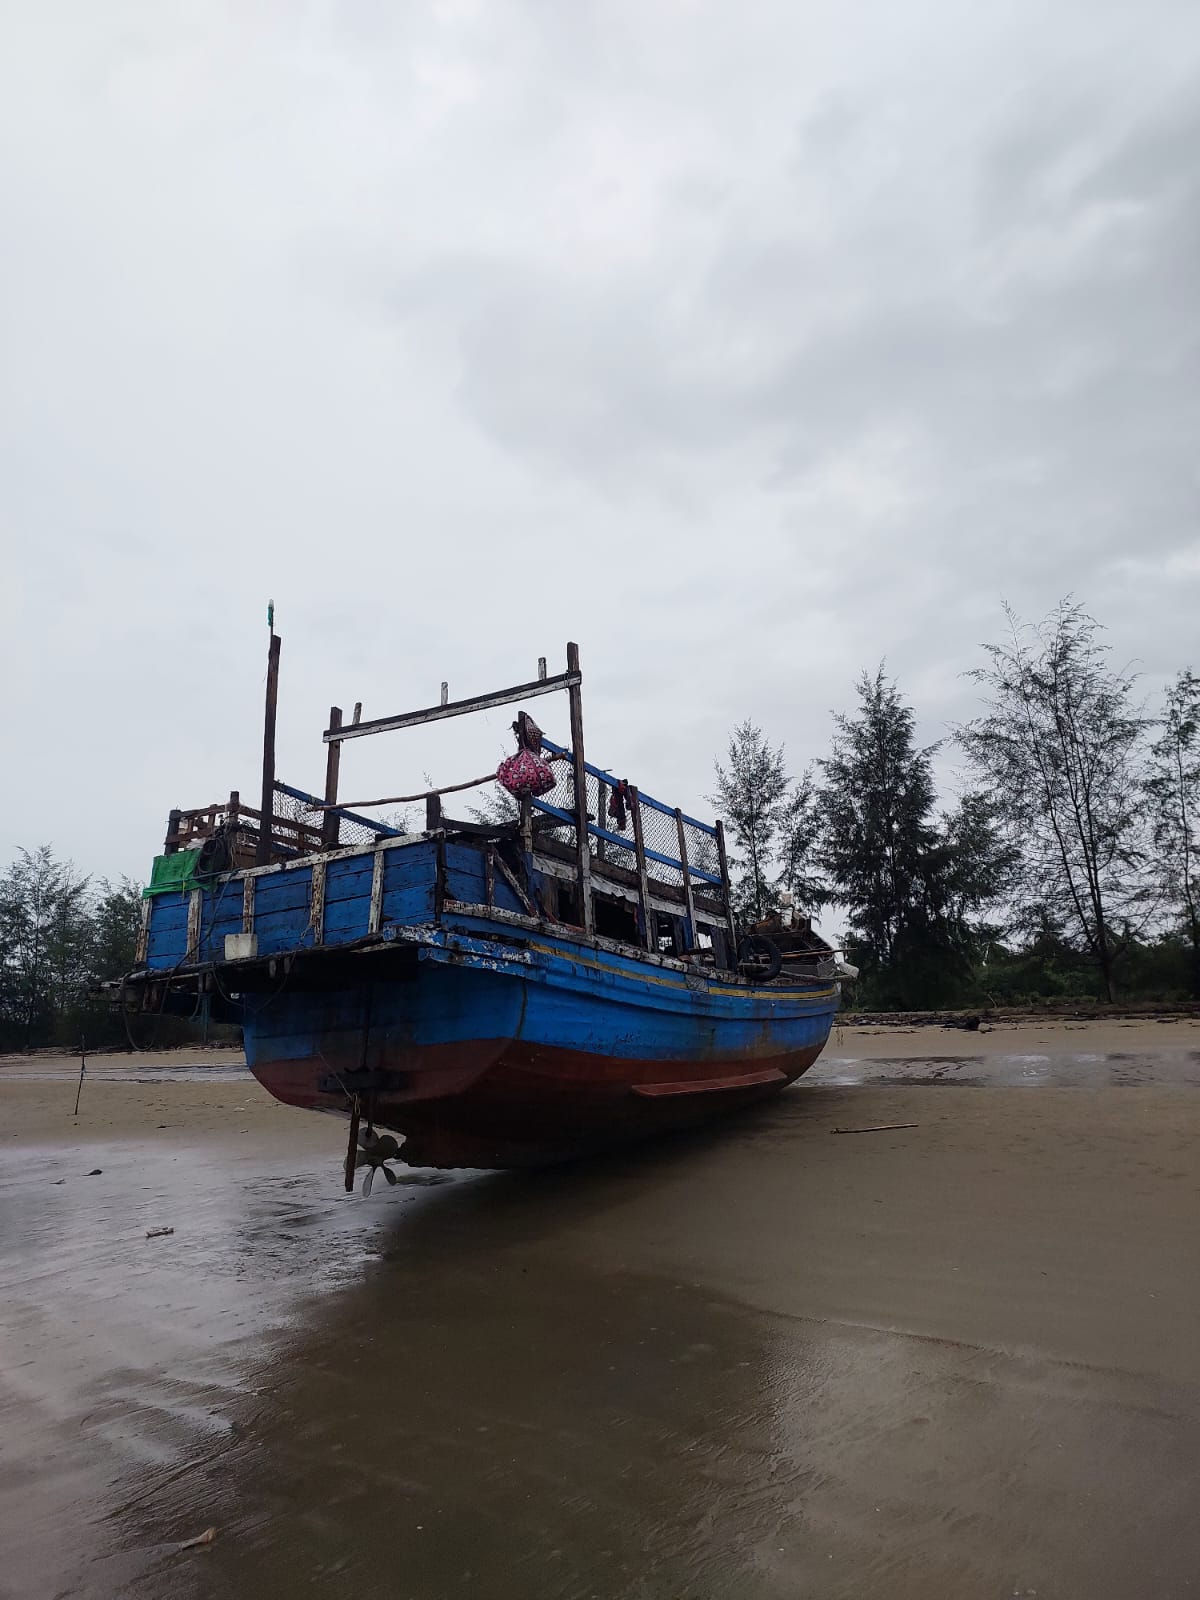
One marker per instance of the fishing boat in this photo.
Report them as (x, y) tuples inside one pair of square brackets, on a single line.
[(478, 993)]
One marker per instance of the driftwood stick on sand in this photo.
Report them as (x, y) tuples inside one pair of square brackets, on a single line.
[(883, 1127)]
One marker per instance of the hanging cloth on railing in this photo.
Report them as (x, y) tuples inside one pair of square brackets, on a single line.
[(618, 802)]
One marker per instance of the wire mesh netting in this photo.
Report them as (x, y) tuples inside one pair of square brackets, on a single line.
[(660, 832), (294, 806)]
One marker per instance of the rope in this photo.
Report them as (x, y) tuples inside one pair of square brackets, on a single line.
[(426, 794)]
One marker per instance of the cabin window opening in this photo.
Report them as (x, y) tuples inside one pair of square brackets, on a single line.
[(616, 919), (568, 905)]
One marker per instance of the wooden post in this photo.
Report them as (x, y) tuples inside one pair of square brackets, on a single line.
[(639, 850), (526, 806), (352, 1147), (316, 911), (728, 887), (433, 812), (195, 912), (82, 1070), (375, 910), (263, 854), (233, 814), (687, 880), (171, 843), (583, 854), (331, 824)]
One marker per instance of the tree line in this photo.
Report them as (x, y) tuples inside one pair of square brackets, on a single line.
[(60, 935), (1069, 866)]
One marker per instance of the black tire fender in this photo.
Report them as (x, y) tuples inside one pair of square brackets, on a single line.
[(754, 950)]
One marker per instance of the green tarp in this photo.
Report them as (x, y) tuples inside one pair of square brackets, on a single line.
[(173, 874)]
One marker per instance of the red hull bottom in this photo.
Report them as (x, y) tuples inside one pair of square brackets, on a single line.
[(501, 1104)]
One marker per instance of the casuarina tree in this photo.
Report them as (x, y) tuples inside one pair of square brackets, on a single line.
[(800, 844), (1173, 789), (1058, 749), (751, 795)]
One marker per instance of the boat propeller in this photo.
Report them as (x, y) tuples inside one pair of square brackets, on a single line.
[(375, 1150)]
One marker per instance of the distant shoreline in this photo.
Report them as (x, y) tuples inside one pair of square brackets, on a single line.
[(1067, 1011)]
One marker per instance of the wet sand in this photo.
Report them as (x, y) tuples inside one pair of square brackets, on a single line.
[(953, 1360)]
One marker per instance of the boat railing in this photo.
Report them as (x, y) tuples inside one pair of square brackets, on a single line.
[(298, 827), (672, 841), (674, 862)]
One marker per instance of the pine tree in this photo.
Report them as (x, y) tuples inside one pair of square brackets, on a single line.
[(914, 886), (877, 798)]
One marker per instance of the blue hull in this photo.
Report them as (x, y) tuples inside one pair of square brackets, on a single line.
[(486, 1053)]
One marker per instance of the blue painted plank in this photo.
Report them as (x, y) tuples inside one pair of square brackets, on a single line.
[(282, 930), (409, 878), (283, 891), (412, 864), (347, 919), (409, 906), (169, 908), (465, 874), (219, 917), (349, 879)]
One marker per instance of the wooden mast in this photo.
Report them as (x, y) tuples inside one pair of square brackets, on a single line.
[(263, 854), (330, 822)]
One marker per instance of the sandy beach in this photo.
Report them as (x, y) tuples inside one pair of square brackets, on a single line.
[(957, 1359)]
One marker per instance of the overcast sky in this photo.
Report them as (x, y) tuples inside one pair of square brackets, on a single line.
[(745, 344)]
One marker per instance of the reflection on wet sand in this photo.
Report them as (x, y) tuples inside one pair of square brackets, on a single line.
[(756, 1362)]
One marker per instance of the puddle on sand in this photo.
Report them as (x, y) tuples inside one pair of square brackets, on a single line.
[(1060, 1070), (103, 1069)]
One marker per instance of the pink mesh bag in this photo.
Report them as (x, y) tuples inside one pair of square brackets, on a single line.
[(525, 775)]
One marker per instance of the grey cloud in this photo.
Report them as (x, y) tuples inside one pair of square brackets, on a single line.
[(745, 346)]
